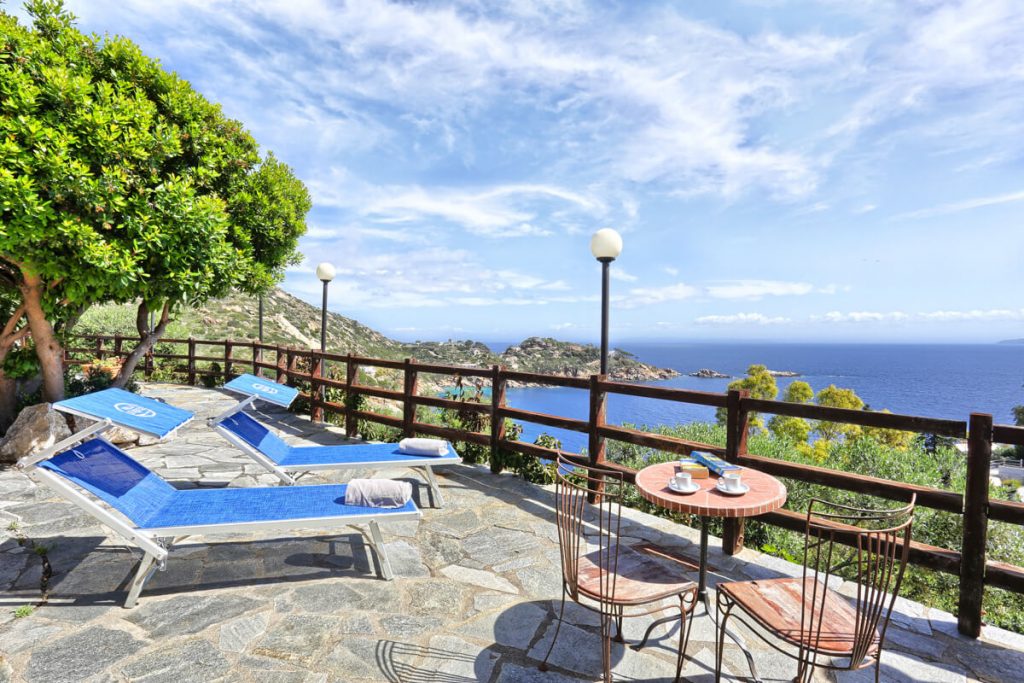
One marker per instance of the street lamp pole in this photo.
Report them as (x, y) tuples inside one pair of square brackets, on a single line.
[(325, 272), (605, 268), (605, 245)]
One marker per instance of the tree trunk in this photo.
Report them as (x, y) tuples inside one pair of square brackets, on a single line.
[(8, 386), (147, 339), (48, 348)]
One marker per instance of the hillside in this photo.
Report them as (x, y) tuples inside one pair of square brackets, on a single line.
[(289, 320), (1012, 341)]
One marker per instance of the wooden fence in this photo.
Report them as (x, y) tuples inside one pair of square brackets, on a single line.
[(293, 365)]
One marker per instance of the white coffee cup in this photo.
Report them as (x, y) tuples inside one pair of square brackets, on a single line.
[(732, 481), (682, 480)]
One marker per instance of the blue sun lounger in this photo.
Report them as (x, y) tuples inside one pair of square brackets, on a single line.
[(152, 515), (269, 450)]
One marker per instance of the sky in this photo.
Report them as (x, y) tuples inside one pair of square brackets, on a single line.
[(793, 171)]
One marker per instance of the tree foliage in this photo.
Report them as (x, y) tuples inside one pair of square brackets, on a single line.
[(119, 182), (760, 383)]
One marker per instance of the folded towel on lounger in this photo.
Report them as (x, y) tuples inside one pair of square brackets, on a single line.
[(423, 446), (378, 493)]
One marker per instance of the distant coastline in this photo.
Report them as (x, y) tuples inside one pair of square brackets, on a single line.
[(1012, 341)]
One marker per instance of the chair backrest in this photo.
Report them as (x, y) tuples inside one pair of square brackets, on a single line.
[(114, 477), (246, 428), (588, 526), (868, 546)]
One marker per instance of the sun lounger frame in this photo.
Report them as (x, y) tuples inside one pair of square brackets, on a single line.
[(155, 542), (420, 464)]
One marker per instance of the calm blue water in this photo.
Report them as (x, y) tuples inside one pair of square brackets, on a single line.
[(945, 381)]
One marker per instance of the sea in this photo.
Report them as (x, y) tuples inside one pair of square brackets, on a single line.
[(935, 380)]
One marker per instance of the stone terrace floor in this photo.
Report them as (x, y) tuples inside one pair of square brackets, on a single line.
[(476, 587)]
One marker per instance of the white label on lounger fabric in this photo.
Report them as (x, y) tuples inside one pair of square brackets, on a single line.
[(264, 388), (134, 410)]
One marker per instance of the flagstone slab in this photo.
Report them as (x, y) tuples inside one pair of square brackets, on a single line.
[(188, 614), (477, 577), (236, 635), (78, 656), (514, 627), (297, 638), (196, 660)]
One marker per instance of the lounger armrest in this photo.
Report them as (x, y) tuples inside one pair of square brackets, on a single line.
[(96, 428), (238, 407)]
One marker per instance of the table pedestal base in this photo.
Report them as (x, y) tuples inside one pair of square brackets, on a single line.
[(702, 597)]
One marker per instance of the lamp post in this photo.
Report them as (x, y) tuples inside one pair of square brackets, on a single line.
[(605, 245), (325, 272), (261, 316)]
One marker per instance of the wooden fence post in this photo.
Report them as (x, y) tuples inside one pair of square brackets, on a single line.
[(735, 446), (316, 387), (409, 389), (228, 344), (281, 359), (290, 367), (972, 549), (497, 421), (351, 373), (191, 361), (100, 352), (118, 345), (595, 443)]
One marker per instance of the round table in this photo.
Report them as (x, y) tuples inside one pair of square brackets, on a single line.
[(766, 494)]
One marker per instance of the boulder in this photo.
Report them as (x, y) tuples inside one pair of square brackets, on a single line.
[(37, 427), (119, 436)]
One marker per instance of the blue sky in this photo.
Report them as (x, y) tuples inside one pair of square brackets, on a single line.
[(822, 170)]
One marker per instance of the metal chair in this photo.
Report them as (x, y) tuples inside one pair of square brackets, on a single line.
[(607, 576), (867, 546)]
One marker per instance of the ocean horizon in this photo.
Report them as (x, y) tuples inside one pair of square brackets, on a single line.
[(930, 379)]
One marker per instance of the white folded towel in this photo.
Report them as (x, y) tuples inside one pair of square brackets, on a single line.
[(423, 447), (378, 493)]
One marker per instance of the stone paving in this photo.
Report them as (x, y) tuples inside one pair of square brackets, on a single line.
[(477, 584)]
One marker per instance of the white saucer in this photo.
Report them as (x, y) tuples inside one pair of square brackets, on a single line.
[(732, 492), (693, 487)]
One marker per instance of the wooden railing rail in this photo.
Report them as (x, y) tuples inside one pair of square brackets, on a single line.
[(316, 372)]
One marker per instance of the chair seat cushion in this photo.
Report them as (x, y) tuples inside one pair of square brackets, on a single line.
[(644, 573), (776, 604)]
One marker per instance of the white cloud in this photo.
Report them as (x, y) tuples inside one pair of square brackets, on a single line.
[(742, 319), (757, 289), (620, 274), (430, 277), (974, 315), (643, 296), (965, 205)]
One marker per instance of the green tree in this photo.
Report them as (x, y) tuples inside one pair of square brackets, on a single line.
[(118, 182), (795, 429), (760, 383), (835, 397)]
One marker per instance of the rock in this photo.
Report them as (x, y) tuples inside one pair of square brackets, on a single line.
[(37, 427), (783, 373), (119, 436), (708, 373)]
